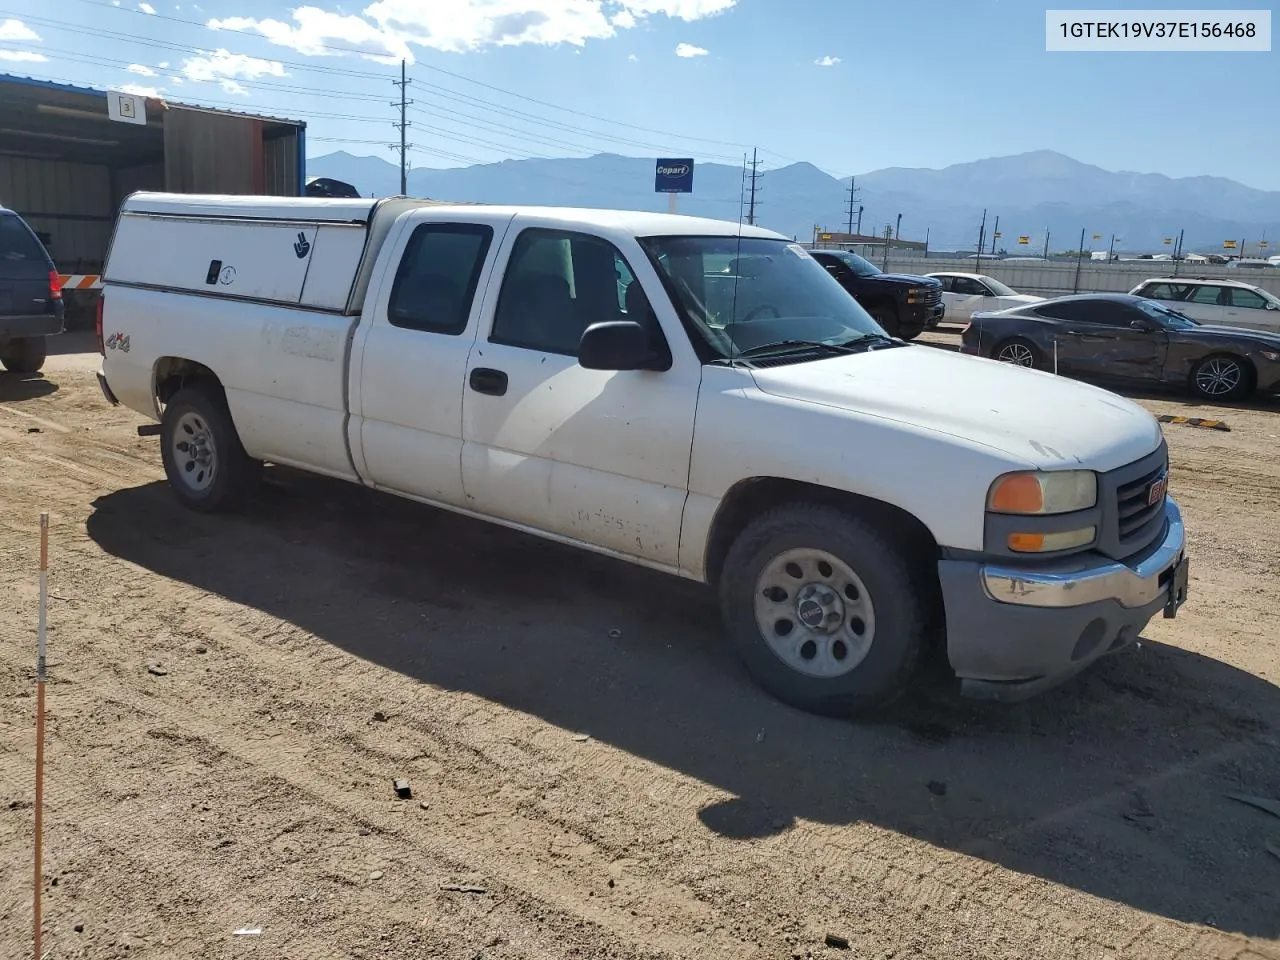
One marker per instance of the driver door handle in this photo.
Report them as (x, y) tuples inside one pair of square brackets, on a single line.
[(488, 381)]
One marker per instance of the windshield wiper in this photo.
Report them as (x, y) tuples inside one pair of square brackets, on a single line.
[(765, 349), (867, 338)]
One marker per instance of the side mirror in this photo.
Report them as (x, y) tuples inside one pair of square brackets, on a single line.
[(1142, 325), (617, 345), (1273, 306)]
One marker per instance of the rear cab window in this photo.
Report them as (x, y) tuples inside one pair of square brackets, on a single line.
[(438, 276)]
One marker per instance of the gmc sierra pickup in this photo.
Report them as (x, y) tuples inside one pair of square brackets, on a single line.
[(691, 395)]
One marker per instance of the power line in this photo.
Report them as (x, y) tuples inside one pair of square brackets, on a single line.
[(611, 121)]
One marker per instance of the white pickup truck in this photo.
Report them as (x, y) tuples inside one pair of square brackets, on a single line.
[(687, 394)]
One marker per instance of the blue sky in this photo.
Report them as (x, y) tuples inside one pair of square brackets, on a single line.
[(849, 85)]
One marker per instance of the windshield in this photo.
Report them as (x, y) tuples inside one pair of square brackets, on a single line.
[(1170, 319), (744, 293), (859, 266), (998, 288)]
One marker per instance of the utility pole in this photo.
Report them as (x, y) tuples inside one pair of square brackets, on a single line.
[(1046, 243), (1112, 251), (403, 127), (1177, 253), (755, 175), (1075, 288), (860, 209), (897, 231), (927, 230), (742, 197), (982, 237), (995, 235), (888, 236), (853, 196)]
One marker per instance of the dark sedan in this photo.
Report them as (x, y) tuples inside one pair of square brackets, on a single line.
[(1126, 339)]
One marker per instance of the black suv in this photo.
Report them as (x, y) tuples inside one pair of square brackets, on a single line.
[(901, 303), (31, 305)]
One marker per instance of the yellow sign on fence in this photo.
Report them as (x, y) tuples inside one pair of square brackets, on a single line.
[(1228, 244), (1024, 240)]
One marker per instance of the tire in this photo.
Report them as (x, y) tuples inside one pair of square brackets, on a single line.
[(1022, 349), (1221, 377), (887, 317), (24, 354), (805, 668), (217, 475)]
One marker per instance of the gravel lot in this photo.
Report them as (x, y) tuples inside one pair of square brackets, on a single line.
[(587, 761)]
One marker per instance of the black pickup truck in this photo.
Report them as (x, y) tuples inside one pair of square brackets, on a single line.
[(31, 305), (905, 305)]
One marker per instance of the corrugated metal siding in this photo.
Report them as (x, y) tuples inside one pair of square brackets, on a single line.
[(215, 153), (281, 158), (71, 202)]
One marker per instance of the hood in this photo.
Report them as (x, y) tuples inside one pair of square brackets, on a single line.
[(1040, 419), (905, 278), (1264, 337), (1022, 298)]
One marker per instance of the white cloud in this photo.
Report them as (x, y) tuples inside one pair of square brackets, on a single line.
[(140, 70), (689, 50), (17, 30), (138, 91), (147, 8), (23, 56), (387, 30), (164, 64), (827, 61), (632, 57), (223, 66), (233, 87)]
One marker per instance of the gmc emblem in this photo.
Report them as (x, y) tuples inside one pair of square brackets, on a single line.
[(1157, 491)]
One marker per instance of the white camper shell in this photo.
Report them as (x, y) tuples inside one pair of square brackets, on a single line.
[(291, 251)]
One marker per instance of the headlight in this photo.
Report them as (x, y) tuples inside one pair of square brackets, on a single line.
[(1057, 491)]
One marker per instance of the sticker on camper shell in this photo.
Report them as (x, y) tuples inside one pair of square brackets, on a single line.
[(301, 246), (227, 276), (117, 341)]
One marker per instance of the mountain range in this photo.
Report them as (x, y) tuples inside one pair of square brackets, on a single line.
[(1030, 192)]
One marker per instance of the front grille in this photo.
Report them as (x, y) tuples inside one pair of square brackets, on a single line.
[(1130, 522), (931, 296)]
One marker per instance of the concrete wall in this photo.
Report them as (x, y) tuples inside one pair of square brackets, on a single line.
[(1056, 278)]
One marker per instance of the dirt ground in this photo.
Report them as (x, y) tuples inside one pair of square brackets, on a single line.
[(231, 699)]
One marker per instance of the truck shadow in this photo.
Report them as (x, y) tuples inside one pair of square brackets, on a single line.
[(15, 387), (1113, 785)]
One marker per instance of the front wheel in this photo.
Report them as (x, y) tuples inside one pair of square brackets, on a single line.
[(24, 355), (1220, 378), (887, 318), (824, 610), (206, 465)]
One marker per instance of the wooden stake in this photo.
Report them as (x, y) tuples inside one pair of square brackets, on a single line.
[(40, 677)]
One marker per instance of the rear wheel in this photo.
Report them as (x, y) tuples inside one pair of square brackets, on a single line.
[(1019, 352), (206, 465), (824, 610), (1221, 378), (24, 354)]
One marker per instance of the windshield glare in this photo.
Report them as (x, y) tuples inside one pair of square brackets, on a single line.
[(998, 288), (860, 266), (1164, 316), (746, 292)]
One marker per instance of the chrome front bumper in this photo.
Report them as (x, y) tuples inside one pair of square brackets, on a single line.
[(1074, 582)]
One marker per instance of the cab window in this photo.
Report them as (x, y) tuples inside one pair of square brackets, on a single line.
[(438, 276), (559, 283)]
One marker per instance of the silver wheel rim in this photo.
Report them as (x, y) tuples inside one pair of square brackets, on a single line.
[(815, 613), (1218, 376), (1018, 354), (193, 452)]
